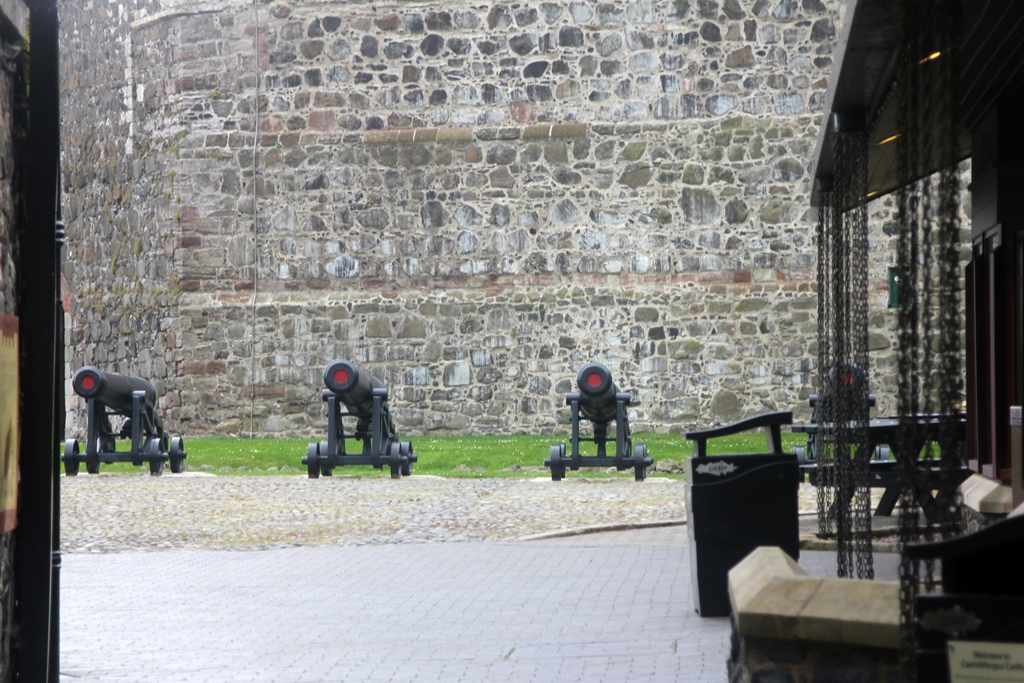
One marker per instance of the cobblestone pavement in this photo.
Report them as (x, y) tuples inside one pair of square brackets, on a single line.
[(109, 513), (117, 512)]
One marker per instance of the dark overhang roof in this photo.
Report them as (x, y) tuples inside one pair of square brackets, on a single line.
[(862, 80)]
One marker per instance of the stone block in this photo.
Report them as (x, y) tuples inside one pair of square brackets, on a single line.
[(773, 598), (852, 611), (986, 496), (454, 135), (412, 328), (636, 175), (457, 375)]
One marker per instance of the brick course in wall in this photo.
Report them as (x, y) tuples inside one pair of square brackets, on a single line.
[(470, 200)]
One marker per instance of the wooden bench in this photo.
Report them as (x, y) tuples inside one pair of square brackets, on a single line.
[(883, 468)]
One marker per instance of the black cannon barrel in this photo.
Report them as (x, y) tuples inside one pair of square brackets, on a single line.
[(111, 389), (597, 392), (353, 387)]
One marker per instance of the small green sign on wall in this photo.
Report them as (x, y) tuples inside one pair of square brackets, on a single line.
[(894, 287)]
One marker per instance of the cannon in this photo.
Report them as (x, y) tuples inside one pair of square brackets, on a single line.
[(845, 382), (134, 398), (364, 398), (600, 402)]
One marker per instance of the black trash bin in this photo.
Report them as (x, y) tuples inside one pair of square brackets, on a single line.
[(734, 504)]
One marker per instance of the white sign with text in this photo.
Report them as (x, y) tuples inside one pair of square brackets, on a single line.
[(976, 662)]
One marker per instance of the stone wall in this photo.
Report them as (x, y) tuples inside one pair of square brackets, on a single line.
[(754, 660), (470, 200)]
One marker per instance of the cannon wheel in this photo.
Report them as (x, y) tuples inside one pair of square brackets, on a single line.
[(395, 460), (92, 463), (176, 455), (557, 462), (71, 457), (326, 469), (312, 454), (405, 450), (639, 455), (156, 464)]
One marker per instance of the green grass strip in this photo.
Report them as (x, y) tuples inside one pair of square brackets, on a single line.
[(448, 456)]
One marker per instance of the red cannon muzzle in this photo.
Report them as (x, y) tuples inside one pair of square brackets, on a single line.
[(89, 382), (340, 376), (352, 387), (595, 380), (597, 392)]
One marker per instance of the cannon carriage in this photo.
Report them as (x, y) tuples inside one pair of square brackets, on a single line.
[(109, 395), (599, 402), (365, 399)]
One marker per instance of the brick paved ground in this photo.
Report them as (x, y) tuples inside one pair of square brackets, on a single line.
[(606, 607)]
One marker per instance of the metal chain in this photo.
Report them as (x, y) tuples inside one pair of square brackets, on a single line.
[(859, 408), (833, 415), (822, 453), (844, 388), (907, 336), (949, 309), (930, 318)]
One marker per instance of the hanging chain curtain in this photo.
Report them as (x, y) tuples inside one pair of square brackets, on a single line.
[(931, 320), (842, 410)]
